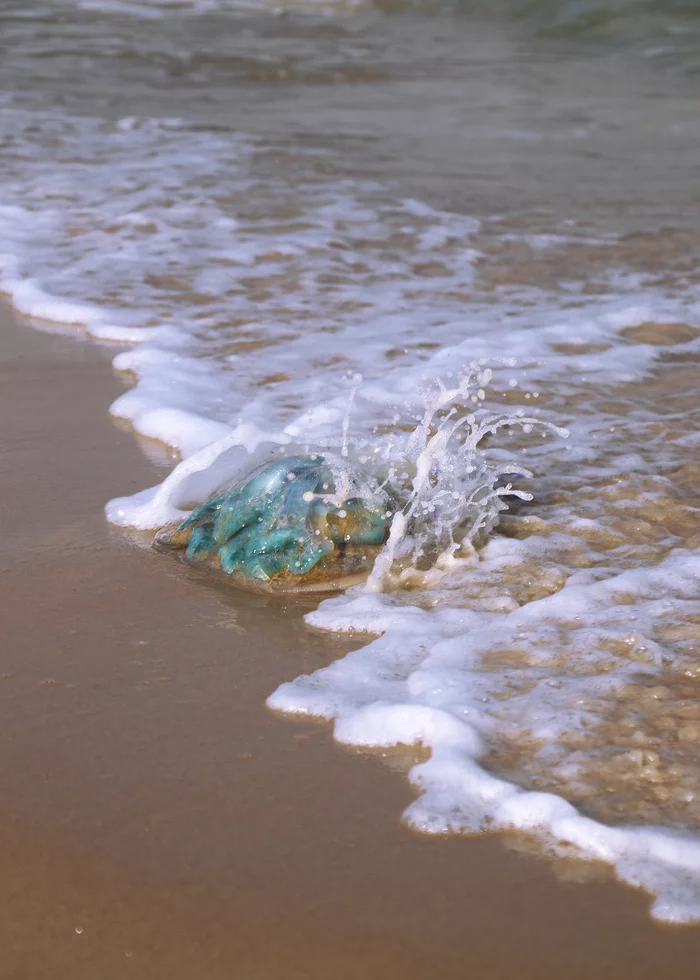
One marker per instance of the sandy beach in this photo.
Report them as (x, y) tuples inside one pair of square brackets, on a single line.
[(156, 820)]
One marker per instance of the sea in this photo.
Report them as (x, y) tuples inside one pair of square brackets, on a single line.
[(459, 236)]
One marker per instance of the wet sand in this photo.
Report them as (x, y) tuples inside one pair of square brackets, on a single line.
[(157, 821)]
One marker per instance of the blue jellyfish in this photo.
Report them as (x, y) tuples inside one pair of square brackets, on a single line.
[(282, 528)]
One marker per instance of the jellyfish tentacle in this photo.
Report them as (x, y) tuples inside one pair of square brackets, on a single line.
[(238, 513), (265, 567), (309, 556), (278, 539)]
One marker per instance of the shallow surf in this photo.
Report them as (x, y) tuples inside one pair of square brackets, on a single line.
[(393, 198)]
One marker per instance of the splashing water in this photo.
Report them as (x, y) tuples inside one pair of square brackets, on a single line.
[(447, 494)]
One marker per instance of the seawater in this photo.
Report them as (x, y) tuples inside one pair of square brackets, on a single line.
[(275, 212)]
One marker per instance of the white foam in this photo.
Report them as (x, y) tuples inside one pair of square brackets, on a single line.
[(178, 265), (195, 479), (409, 687)]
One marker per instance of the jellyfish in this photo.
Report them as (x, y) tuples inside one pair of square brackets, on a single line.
[(297, 522)]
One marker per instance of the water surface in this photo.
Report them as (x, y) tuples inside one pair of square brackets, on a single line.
[(263, 204)]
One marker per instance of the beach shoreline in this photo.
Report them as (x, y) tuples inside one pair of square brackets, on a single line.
[(156, 814)]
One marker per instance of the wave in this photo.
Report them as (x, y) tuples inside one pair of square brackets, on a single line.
[(249, 283)]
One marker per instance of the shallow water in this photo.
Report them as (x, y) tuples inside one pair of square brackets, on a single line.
[(264, 205)]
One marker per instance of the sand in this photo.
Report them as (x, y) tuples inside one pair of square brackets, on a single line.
[(157, 821)]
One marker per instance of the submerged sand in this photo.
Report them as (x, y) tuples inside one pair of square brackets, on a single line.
[(156, 820)]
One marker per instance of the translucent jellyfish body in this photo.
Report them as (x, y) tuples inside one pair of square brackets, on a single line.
[(300, 522)]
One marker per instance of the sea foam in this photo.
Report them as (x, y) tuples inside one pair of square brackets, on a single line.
[(427, 681)]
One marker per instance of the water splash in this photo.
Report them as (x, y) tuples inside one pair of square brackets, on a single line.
[(446, 493)]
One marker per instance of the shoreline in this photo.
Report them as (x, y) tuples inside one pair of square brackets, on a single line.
[(155, 812)]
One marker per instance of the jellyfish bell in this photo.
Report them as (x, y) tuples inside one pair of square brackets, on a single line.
[(301, 523)]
